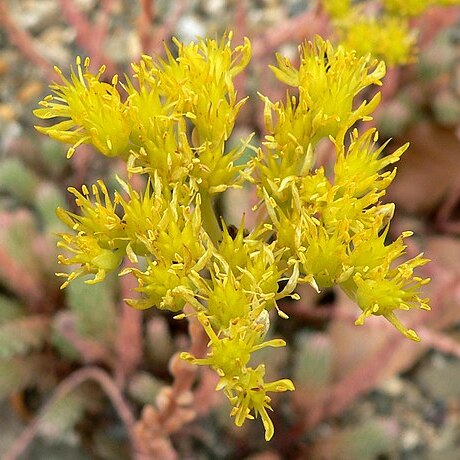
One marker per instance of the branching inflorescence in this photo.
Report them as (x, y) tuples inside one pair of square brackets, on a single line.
[(383, 28), (170, 123)]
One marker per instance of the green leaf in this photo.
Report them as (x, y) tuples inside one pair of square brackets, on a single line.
[(21, 335), (9, 309), (94, 309), (17, 180), (18, 373), (60, 419)]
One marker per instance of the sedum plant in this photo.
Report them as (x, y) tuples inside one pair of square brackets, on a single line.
[(384, 28), (170, 123)]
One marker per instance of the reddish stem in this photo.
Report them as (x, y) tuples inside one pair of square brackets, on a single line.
[(164, 31), (106, 382), (145, 22), (21, 281), (88, 36), (24, 42), (440, 341), (129, 339), (295, 29)]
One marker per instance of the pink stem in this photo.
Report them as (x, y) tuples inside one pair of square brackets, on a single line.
[(129, 339), (145, 22), (75, 379), (24, 42)]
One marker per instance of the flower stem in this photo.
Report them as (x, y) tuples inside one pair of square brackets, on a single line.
[(210, 222)]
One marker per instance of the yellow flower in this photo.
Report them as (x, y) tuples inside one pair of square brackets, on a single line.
[(97, 217), (359, 166), (227, 300), (232, 346), (253, 262), (370, 251), (336, 8), (378, 285), (249, 393), (385, 37), (199, 82), (93, 112), (324, 224), (314, 190), (324, 254), (158, 135), (90, 256), (169, 234), (99, 243), (381, 293), (336, 229), (160, 285), (142, 213), (328, 80), (159, 221), (230, 353), (407, 7)]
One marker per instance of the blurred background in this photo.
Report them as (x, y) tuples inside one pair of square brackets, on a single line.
[(83, 376)]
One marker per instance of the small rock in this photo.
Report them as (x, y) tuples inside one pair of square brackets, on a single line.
[(7, 113), (393, 387), (30, 90), (213, 7), (189, 28), (53, 44), (85, 5), (410, 439), (36, 16)]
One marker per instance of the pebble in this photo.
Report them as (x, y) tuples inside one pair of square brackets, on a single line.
[(35, 16), (213, 7), (9, 134), (296, 7), (410, 439), (267, 17), (4, 65), (85, 5), (55, 41), (7, 113), (190, 27), (393, 387), (29, 91), (123, 45)]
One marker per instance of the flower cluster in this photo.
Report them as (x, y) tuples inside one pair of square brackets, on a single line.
[(334, 224), (86, 103), (170, 123), (229, 356), (383, 30)]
